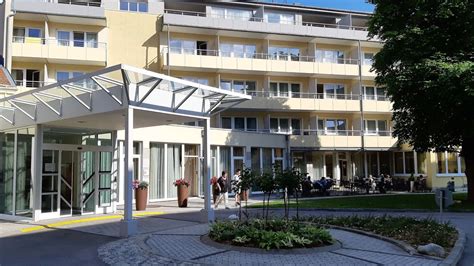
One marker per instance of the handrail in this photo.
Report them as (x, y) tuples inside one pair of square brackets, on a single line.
[(260, 19), (280, 57), (302, 95), (59, 42), (314, 132)]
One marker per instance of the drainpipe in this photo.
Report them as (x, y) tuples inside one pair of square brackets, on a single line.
[(169, 49), (359, 51), (6, 35)]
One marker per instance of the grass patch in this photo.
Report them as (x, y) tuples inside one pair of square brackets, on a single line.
[(405, 202), (273, 234), (410, 230)]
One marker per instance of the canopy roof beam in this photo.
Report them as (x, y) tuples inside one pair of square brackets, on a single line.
[(216, 104), (32, 117), (37, 96), (88, 107), (184, 100), (153, 87), (119, 101)]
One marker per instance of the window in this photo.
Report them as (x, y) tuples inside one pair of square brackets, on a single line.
[(281, 18), (197, 80), (404, 163), (450, 163), (183, 46), (241, 86), (34, 33), (240, 123), (63, 38), (63, 75), (133, 6), (331, 91), (19, 35), (284, 53), (376, 127), (231, 13), (238, 50), (18, 75), (368, 58), (332, 126), (373, 93), (227, 122), (281, 89), (330, 56), (296, 126), (282, 125)]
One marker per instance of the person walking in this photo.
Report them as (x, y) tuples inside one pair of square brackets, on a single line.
[(235, 181), (222, 188)]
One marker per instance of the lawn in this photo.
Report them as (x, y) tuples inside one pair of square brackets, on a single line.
[(405, 201)]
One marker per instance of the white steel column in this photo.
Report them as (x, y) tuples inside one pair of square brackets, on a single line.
[(128, 226), (207, 212), (37, 171)]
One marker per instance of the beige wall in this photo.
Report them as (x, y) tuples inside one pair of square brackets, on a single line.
[(133, 39)]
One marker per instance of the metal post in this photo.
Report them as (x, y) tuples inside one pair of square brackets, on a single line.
[(208, 212), (37, 171), (359, 51), (128, 225)]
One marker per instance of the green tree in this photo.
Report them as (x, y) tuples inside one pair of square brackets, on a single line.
[(426, 64), (267, 185)]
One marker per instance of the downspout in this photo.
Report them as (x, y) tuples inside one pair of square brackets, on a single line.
[(359, 51), (169, 50), (5, 35)]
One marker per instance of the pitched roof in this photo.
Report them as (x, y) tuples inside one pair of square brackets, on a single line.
[(6, 79)]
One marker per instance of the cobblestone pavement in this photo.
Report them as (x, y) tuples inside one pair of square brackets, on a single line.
[(183, 246)]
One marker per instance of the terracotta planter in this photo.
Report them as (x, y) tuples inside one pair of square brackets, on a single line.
[(182, 196), (141, 198)]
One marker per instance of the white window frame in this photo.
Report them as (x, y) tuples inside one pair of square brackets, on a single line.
[(458, 161), (232, 52), (325, 129), (229, 16), (334, 96), (288, 55), (279, 93), (232, 84), (415, 164), (290, 126), (365, 61), (280, 20), (246, 129), (320, 58), (377, 130)]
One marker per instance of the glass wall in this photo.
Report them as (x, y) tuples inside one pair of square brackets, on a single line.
[(23, 205), (174, 168), (7, 144), (157, 171)]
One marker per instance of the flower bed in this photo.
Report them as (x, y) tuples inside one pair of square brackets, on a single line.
[(410, 230), (273, 234)]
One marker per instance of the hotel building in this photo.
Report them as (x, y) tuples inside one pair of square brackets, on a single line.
[(314, 102)]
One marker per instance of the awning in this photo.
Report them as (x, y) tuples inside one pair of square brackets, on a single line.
[(97, 100)]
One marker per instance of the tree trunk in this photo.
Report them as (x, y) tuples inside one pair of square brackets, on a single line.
[(468, 154)]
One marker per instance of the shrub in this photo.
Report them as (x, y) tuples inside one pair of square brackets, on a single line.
[(273, 234)]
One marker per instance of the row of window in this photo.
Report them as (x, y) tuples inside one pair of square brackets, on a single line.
[(236, 50), (134, 6), (327, 126), (64, 38), (415, 163)]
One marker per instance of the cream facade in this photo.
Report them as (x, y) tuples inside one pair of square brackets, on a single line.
[(314, 102)]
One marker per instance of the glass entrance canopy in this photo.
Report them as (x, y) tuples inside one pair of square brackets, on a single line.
[(103, 92)]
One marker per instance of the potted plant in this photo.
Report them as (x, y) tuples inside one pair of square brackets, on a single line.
[(141, 194), (182, 186)]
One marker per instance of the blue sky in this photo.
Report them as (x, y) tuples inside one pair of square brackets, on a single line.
[(357, 5)]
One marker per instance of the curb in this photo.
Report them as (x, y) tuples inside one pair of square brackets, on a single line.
[(456, 253), (205, 239), (407, 248)]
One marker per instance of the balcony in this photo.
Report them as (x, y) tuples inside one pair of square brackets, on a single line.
[(257, 24), (266, 100), (60, 51), (346, 139), (258, 62), (78, 12)]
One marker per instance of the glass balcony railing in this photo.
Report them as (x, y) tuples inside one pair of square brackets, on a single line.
[(267, 56), (263, 20), (59, 42)]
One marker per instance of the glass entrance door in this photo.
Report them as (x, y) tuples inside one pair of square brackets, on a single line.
[(88, 176), (66, 182), (49, 184)]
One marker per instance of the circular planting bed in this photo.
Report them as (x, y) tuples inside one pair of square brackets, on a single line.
[(270, 235)]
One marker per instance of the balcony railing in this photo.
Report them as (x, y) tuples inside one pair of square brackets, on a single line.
[(266, 56), (315, 132), (259, 19), (69, 2), (32, 83), (301, 95), (59, 42)]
